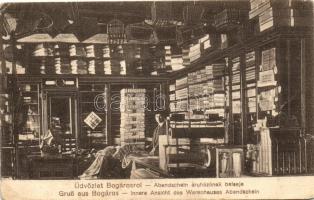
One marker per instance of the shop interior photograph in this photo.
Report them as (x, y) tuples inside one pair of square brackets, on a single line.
[(157, 89)]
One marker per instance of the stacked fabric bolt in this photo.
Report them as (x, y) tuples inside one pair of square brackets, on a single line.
[(227, 90), (182, 105), (173, 106), (182, 93), (219, 100), (196, 77), (138, 53), (61, 61), (236, 104), (72, 50), (107, 67), (90, 51), (41, 51), (269, 59), (268, 98), (192, 53), (42, 67), (208, 87), (268, 68), (172, 97), (205, 42), (132, 127), (168, 56), (218, 69), (91, 67), (74, 67), (287, 13), (58, 65), (120, 50), (218, 85), (250, 76), (106, 51), (251, 94), (73, 63), (250, 66), (177, 62), (181, 83), (172, 87), (123, 67), (138, 62), (224, 41), (195, 90)]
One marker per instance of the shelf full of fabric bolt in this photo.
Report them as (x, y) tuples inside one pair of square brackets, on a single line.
[(30, 132), (268, 88), (287, 13), (93, 120), (77, 59), (250, 77), (206, 96), (235, 81), (193, 52), (179, 102), (227, 89)]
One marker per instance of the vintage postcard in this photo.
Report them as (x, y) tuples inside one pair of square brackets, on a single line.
[(210, 99)]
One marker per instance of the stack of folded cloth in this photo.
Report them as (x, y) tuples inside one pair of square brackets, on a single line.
[(177, 62), (106, 51), (58, 65), (107, 67), (74, 67), (132, 127), (91, 67), (168, 57), (192, 53), (123, 67), (90, 51)]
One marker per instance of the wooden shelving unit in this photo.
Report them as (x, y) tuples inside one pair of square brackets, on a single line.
[(93, 98), (30, 133)]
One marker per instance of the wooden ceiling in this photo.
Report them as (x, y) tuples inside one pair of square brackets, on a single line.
[(128, 12), (102, 12)]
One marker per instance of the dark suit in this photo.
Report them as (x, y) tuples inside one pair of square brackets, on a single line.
[(159, 130)]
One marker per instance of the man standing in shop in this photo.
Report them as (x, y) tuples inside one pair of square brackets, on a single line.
[(161, 129)]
